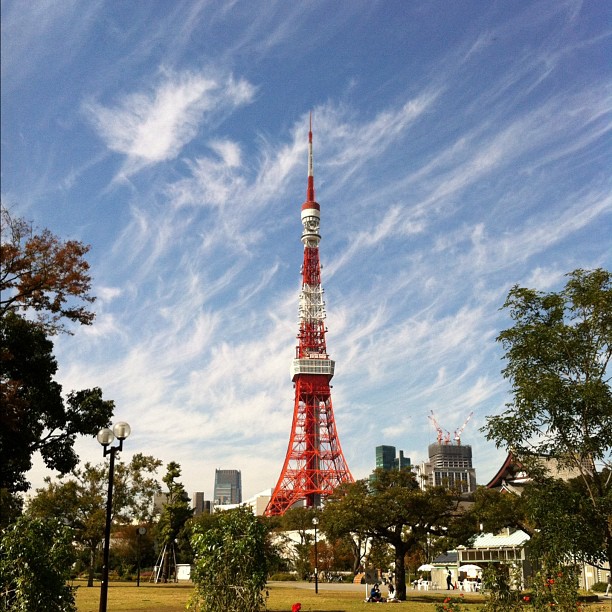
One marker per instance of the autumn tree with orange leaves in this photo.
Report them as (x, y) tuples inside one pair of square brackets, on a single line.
[(44, 282), (42, 275)]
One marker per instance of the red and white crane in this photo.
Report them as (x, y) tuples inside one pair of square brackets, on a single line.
[(459, 431), (443, 435)]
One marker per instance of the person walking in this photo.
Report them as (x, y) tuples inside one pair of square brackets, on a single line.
[(449, 581)]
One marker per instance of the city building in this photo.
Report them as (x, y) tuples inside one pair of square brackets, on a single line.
[(199, 504), (387, 459), (159, 501), (450, 466), (258, 503), (228, 487)]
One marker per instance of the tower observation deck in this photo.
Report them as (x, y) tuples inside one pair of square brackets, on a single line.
[(314, 465)]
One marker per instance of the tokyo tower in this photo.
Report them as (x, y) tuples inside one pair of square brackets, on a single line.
[(314, 465)]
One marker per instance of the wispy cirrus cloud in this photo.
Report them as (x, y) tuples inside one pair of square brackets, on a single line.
[(152, 126)]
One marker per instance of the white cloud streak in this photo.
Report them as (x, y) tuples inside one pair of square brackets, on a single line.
[(151, 127)]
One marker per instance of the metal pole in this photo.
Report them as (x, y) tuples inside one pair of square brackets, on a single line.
[(109, 512), (316, 563), (138, 557)]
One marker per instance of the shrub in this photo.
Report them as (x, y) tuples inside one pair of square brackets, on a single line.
[(599, 587), (230, 565), (451, 604), (284, 577), (36, 556)]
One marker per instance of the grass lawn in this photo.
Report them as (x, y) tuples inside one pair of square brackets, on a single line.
[(125, 596)]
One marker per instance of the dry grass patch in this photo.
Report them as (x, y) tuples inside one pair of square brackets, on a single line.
[(124, 596)]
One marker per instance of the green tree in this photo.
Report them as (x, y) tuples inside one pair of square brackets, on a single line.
[(231, 566), (11, 507), (392, 509), (43, 283), (36, 556), (558, 356), (175, 514), (490, 510), (34, 417), (80, 500), (300, 521), (42, 275)]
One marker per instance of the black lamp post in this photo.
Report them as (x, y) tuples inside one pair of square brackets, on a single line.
[(140, 531), (315, 522), (105, 437)]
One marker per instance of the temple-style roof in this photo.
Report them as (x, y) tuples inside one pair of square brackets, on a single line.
[(512, 475)]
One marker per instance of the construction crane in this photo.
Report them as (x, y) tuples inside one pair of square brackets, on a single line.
[(459, 431), (440, 431)]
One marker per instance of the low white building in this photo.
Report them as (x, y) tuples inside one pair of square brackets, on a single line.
[(258, 503)]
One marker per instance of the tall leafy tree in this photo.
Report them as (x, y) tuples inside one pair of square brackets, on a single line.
[(231, 566), (36, 556), (44, 283), (558, 361), (34, 416), (80, 500), (175, 514), (390, 508), (42, 275), (300, 521)]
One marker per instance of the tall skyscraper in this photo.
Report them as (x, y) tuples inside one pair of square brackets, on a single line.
[(228, 487), (314, 465)]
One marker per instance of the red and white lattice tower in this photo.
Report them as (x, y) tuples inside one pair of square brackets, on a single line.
[(314, 465)]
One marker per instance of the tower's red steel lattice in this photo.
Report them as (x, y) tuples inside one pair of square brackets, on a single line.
[(314, 465)]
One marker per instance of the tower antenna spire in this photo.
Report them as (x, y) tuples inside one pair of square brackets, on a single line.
[(310, 191)]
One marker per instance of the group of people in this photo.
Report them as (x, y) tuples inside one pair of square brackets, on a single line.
[(376, 595)]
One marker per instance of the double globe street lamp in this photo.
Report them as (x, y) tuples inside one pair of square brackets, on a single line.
[(105, 437)]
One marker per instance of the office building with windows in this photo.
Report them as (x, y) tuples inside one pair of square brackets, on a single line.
[(449, 466), (228, 487)]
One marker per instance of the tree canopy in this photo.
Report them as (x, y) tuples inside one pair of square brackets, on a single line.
[(44, 282), (34, 416), (80, 499), (41, 274), (391, 508), (558, 361)]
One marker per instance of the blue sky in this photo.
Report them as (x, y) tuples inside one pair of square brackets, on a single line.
[(459, 148)]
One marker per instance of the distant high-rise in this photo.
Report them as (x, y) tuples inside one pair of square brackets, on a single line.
[(200, 505), (450, 466), (387, 459), (159, 501), (385, 456), (401, 462), (228, 487)]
